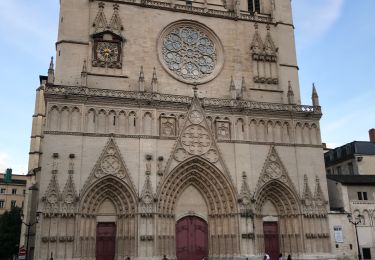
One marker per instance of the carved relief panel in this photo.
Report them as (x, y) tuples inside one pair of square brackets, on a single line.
[(167, 126), (223, 129)]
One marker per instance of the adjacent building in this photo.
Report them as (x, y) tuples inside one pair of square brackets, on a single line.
[(351, 188), (176, 127), (12, 194)]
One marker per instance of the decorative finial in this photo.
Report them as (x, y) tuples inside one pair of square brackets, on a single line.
[(244, 176), (268, 27), (84, 67), (101, 5), (116, 7), (243, 88), (256, 26), (84, 75)]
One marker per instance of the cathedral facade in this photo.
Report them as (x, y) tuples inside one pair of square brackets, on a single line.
[(170, 127)]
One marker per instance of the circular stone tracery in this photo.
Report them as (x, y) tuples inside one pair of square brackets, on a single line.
[(190, 52)]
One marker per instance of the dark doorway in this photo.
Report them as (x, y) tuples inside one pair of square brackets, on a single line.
[(191, 238), (271, 239), (105, 241)]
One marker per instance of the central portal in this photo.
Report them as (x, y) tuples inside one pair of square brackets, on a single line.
[(191, 238)]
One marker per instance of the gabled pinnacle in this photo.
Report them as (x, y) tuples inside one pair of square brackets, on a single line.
[(290, 93), (243, 89), (154, 81), (51, 72), (314, 96), (51, 65), (84, 75), (232, 88), (141, 80)]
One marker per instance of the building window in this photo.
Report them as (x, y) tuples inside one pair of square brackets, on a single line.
[(2, 204), (24, 192), (351, 169), (362, 195), (253, 6), (2, 190), (366, 253), (14, 191), (13, 203), (339, 172)]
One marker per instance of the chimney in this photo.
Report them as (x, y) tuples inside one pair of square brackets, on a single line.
[(371, 133)]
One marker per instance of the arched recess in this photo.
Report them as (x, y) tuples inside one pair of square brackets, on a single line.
[(286, 202), (114, 191), (219, 195)]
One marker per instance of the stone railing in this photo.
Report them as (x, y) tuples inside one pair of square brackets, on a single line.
[(201, 11), (148, 97)]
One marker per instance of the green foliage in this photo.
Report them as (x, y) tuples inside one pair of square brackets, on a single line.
[(10, 229)]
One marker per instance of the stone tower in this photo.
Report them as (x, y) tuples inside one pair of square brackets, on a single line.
[(170, 127)]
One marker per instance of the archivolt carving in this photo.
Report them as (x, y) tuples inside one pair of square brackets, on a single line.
[(111, 188), (214, 186)]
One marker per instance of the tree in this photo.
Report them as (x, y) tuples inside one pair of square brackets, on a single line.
[(10, 230)]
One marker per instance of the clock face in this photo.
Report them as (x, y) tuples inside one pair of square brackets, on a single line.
[(107, 52)]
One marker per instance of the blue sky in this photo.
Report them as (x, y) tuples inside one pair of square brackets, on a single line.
[(335, 48)]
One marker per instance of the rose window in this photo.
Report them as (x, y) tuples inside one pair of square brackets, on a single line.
[(190, 53)]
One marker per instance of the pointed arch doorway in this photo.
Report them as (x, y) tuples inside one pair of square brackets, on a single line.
[(191, 238)]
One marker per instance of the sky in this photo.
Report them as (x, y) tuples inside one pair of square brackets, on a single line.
[(335, 49)]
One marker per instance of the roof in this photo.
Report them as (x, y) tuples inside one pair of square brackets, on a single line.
[(348, 151), (353, 179), (21, 182)]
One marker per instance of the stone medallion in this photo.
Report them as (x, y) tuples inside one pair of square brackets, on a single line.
[(196, 140), (110, 164)]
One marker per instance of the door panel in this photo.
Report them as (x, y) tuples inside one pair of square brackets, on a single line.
[(105, 241), (271, 239), (191, 238)]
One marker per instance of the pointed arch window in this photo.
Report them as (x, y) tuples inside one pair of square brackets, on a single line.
[(253, 6)]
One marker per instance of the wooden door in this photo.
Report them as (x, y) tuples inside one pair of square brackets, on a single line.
[(105, 241), (191, 238), (271, 239)]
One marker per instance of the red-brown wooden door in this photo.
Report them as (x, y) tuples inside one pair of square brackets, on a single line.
[(271, 239), (191, 238), (105, 241)]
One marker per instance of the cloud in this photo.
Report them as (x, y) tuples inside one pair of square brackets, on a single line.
[(313, 19)]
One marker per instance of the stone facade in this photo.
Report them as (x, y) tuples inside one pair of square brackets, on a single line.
[(161, 110)]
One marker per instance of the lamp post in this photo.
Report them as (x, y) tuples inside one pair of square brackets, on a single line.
[(355, 221), (29, 225)]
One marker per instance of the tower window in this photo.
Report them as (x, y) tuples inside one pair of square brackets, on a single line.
[(189, 3), (253, 6)]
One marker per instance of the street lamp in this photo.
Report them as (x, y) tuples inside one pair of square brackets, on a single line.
[(29, 225), (355, 221)]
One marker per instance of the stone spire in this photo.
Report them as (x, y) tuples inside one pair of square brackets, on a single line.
[(290, 93), (232, 88), (84, 74), (141, 80), (243, 89), (314, 96), (154, 81), (51, 72)]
